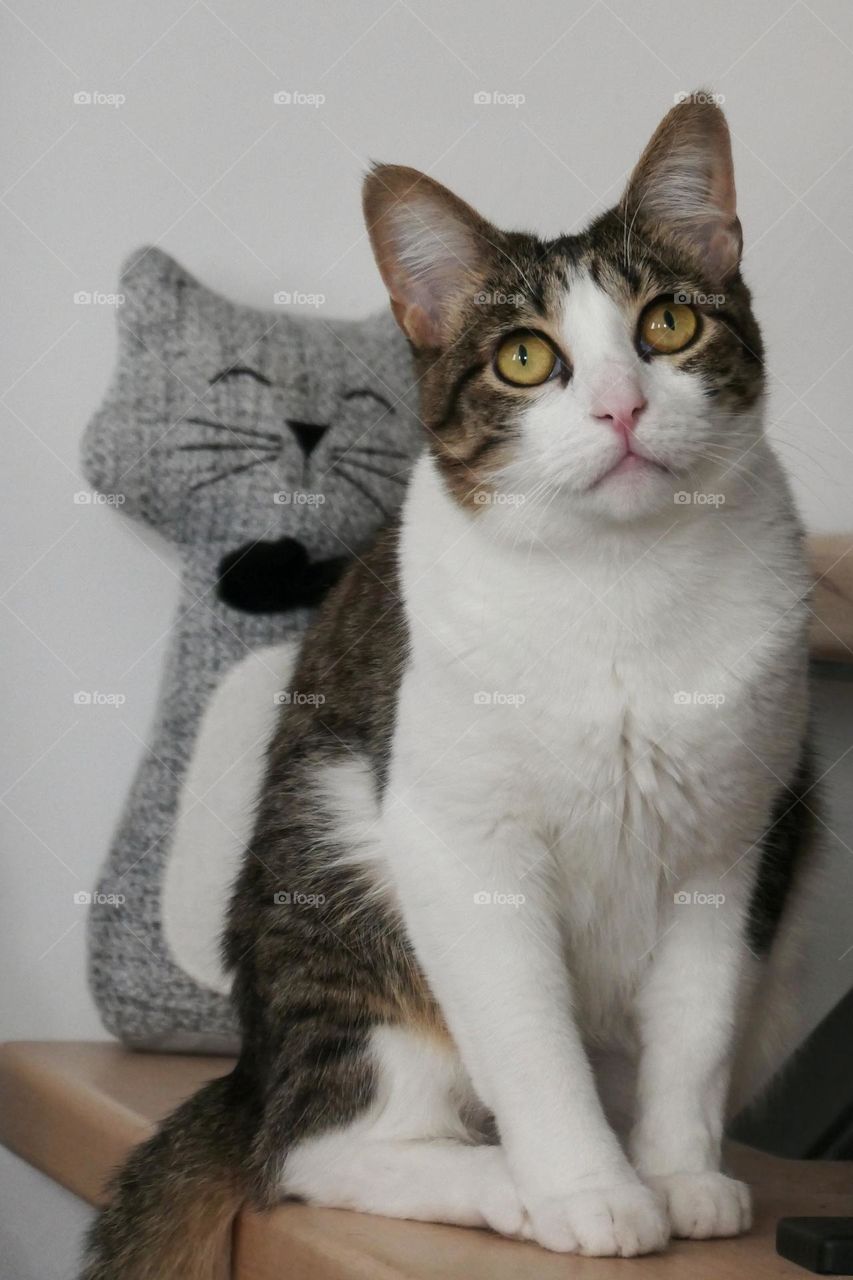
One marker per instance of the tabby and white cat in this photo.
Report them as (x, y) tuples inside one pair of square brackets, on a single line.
[(522, 863)]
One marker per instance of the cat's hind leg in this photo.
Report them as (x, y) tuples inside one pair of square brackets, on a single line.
[(412, 1152)]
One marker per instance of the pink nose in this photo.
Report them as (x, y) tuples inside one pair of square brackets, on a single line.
[(621, 407)]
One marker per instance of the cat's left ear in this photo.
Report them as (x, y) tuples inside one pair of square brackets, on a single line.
[(685, 182), (432, 250)]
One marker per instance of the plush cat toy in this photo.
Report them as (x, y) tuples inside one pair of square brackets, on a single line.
[(267, 448)]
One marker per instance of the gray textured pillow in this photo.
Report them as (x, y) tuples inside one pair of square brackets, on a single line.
[(224, 425)]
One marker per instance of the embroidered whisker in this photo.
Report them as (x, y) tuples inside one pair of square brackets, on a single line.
[(225, 475)]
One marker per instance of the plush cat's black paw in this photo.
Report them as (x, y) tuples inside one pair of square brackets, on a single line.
[(272, 577)]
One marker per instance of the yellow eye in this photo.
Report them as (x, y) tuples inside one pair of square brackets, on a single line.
[(525, 360), (668, 326)]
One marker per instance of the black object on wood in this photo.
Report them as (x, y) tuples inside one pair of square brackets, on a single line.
[(823, 1245)]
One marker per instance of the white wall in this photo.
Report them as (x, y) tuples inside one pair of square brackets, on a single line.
[(256, 197)]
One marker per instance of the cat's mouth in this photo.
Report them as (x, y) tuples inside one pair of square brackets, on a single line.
[(632, 463)]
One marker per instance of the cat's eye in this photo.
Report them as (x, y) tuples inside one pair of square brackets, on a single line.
[(667, 327), (525, 360)]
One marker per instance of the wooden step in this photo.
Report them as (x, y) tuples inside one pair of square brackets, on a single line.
[(73, 1110)]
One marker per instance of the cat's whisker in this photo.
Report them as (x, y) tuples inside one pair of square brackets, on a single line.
[(765, 485), (472, 490), (718, 456), (782, 442), (539, 490), (550, 502), (731, 468)]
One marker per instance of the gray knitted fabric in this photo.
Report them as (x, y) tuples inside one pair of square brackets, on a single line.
[(211, 463)]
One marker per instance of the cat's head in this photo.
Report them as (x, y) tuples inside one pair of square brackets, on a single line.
[(598, 375), (226, 424)]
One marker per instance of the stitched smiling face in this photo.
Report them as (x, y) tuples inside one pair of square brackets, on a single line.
[(305, 426), (599, 373), (223, 420)]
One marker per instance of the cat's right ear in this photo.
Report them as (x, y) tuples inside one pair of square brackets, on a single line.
[(432, 249)]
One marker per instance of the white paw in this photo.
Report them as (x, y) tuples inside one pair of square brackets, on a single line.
[(702, 1205), (620, 1220), (498, 1202), (502, 1209)]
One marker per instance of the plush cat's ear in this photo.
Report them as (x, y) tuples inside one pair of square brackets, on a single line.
[(684, 182), (431, 248)]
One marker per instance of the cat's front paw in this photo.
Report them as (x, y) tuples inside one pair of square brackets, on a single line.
[(616, 1221), (702, 1205)]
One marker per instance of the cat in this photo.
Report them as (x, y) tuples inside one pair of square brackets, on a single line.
[(524, 859)]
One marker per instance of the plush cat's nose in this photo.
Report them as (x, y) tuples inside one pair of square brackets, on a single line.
[(308, 434), (620, 405)]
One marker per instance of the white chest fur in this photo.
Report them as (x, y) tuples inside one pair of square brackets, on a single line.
[(633, 699)]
